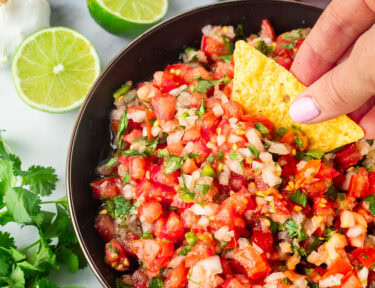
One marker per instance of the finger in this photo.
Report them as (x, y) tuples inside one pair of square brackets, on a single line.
[(340, 24), (358, 114), (341, 90), (368, 124)]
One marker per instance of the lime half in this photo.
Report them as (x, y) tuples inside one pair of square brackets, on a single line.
[(54, 68), (127, 17)]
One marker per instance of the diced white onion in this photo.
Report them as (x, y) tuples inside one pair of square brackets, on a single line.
[(175, 92), (257, 165), (243, 243), (235, 166), (233, 138), (204, 272), (155, 131), (205, 210), (176, 261), (223, 234), (233, 120), (354, 231), (224, 178), (274, 276), (333, 280), (301, 165), (265, 157), (270, 178), (189, 147), (203, 221), (220, 140), (218, 110), (184, 100), (278, 148), (175, 137), (254, 139), (245, 153), (137, 116)]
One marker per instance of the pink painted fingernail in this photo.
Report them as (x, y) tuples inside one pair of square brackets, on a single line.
[(303, 110)]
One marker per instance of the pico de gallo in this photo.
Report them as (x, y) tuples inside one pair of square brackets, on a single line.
[(200, 194)]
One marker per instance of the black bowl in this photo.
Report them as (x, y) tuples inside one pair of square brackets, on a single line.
[(153, 50)]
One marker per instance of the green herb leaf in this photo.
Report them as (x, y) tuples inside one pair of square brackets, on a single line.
[(261, 128), (264, 48), (239, 31), (205, 85), (292, 228), (289, 46), (185, 250), (228, 45), (69, 258), (210, 159), (233, 156), (126, 178), (315, 154), (111, 162), (123, 90), (41, 180), (6, 241), (220, 155), (134, 153), (122, 127), (118, 207), (191, 238), (186, 195), (203, 188), (371, 201), (146, 235), (281, 131), (172, 164), (299, 197), (253, 151), (156, 282), (201, 109), (226, 58)]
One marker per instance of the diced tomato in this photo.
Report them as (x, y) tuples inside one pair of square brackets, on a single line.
[(258, 119), (322, 206), (371, 178), (222, 68), (327, 172), (233, 109), (107, 188), (150, 115), (104, 224), (158, 225), (157, 175), (201, 150), (359, 184), (199, 252), (213, 48), (264, 240), (196, 99), (366, 256), (153, 253), (166, 81), (340, 266), (228, 89), (150, 211), (236, 181), (139, 278), (348, 156), (289, 166), (286, 62), (132, 136), (137, 167), (115, 256), (314, 189), (351, 281), (307, 174), (252, 261), (232, 283), (189, 166), (173, 228), (146, 190), (176, 149), (192, 133), (147, 91), (266, 30), (209, 120), (179, 70), (178, 277), (164, 107), (196, 73)]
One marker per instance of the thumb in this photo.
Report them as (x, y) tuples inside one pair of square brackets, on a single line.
[(341, 90)]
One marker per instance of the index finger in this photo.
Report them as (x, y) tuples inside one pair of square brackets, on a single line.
[(337, 28)]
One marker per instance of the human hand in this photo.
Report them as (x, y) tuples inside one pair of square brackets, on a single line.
[(337, 62)]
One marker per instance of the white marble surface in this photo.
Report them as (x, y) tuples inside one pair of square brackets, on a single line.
[(42, 138)]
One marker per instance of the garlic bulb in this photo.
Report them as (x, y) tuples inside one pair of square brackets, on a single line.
[(18, 19)]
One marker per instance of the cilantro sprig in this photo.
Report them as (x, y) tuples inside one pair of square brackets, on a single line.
[(20, 202)]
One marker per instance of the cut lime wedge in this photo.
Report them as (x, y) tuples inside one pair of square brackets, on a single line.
[(54, 68), (127, 16)]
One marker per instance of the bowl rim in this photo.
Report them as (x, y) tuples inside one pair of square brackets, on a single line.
[(89, 95)]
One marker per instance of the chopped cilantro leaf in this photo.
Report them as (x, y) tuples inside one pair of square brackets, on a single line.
[(264, 48), (126, 178), (292, 228), (188, 50), (156, 282), (281, 131), (118, 206), (261, 128), (191, 238), (228, 45), (220, 155), (134, 153), (205, 85), (210, 159), (226, 58), (122, 127), (299, 197), (331, 192), (146, 235), (203, 188), (239, 31), (186, 195), (184, 115), (233, 156), (253, 151), (202, 109), (185, 250), (371, 201), (315, 154), (289, 46), (172, 164)]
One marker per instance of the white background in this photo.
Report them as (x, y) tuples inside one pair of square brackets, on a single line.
[(42, 138)]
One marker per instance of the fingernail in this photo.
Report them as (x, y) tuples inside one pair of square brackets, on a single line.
[(303, 109)]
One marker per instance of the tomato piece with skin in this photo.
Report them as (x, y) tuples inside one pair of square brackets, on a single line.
[(222, 69), (132, 136), (179, 70), (266, 30), (196, 99), (146, 190), (366, 256), (371, 178), (264, 240), (286, 62), (359, 186), (232, 283), (322, 206), (191, 134), (178, 277), (228, 89), (201, 150), (173, 228), (150, 211), (213, 48), (189, 166), (166, 81), (252, 261), (236, 181), (307, 174), (157, 175), (315, 189), (196, 73), (104, 224), (233, 109), (199, 252), (289, 165), (137, 166), (164, 106), (351, 281), (327, 172), (153, 253), (348, 156), (115, 256), (107, 188), (340, 266), (176, 149)]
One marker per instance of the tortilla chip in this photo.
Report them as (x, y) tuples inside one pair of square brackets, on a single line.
[(262, 86)]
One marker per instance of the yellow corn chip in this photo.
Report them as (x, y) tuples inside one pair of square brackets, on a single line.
[(262, 86)]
